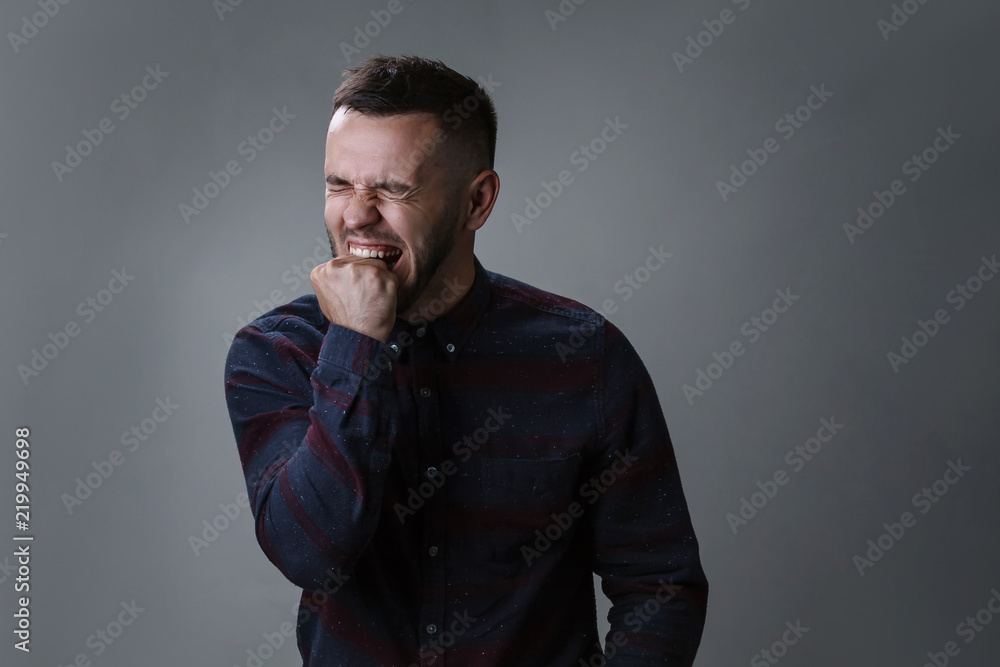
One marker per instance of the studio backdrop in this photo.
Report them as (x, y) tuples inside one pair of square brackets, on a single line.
[(788, 207)]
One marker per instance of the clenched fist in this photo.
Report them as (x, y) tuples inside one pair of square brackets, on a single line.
[(358, 293)]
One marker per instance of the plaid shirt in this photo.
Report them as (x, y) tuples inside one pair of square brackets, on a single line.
[(443, 498)]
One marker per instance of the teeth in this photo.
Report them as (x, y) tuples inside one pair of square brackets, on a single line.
[(366, 252)]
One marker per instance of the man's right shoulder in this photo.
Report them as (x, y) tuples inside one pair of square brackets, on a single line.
[(298, 326), (301, 314)]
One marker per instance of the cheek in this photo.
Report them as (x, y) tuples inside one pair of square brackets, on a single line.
[(333, 210), (401, 223)]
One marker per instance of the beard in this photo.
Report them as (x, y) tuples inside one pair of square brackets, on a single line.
[(426, 259)]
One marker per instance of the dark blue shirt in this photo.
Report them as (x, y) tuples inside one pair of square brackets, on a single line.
[(444, 497)]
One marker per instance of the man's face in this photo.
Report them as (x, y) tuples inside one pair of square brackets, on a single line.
[(380, 199)]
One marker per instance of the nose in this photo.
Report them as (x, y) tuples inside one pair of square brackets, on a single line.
[(361, 210)]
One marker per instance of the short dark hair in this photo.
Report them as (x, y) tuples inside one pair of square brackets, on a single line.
[(390, 86)]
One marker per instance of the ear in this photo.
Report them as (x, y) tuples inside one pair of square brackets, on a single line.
[(480, 197)]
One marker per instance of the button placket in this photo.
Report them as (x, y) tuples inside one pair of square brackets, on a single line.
[(429, 454)]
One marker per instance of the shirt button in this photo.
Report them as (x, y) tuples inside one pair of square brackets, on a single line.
[(433, 551), (425, 392), (431, 471), (431, 629), (394, 347), (450, 347), (421, 331)]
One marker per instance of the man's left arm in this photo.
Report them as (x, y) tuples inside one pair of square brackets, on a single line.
[(645, 549)]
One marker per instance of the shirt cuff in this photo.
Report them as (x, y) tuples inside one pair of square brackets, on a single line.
[(358, 354)]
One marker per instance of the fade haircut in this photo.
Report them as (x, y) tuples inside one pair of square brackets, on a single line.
[(390, 86)]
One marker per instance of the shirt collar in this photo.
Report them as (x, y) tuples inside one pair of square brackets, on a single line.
[(455, 326)]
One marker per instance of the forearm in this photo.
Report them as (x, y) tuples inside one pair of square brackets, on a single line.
[(315, 450), (649, 563), (657, 619)]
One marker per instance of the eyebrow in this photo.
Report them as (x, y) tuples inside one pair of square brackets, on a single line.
[(395, 187)]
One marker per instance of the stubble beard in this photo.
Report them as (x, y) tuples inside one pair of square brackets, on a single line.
[(426, 260)]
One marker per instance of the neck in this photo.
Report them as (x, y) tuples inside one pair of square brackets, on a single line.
[(451, 282)]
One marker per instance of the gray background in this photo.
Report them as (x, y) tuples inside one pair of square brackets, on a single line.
[(164, 335)]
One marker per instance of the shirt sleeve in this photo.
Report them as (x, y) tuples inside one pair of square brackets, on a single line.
[(645, 549), (315, 447)]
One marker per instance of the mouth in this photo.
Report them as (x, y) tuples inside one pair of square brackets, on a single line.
[(388, 254)]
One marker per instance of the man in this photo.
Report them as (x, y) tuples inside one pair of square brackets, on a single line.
[(439, 455)]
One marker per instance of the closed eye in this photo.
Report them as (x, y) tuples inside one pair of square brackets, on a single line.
[(385, 189)]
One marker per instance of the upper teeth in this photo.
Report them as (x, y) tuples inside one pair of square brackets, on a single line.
[(365, 252)]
